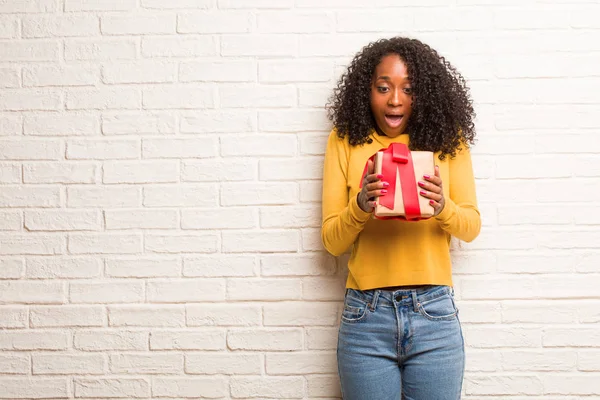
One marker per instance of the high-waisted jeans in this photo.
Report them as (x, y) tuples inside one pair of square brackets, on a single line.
[(397, 343)]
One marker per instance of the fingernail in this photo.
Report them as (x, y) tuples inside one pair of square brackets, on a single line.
[(426, 176), (423, 192), (383, 191), (385, 184), (379, 176), (431, 202), (421, 183)]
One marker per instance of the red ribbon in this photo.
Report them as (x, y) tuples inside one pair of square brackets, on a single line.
[(397, 160)]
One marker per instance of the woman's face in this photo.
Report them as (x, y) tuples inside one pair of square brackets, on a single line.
[(391, 95)]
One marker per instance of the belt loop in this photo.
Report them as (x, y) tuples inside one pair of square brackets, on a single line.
[(373, 303), (414, 299)]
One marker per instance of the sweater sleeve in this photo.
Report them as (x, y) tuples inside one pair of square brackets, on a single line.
[(343, 219), (460, 216)]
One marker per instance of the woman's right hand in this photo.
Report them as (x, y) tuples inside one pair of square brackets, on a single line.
[(372, 187)]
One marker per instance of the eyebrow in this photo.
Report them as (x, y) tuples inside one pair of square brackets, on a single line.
[(387, 78)]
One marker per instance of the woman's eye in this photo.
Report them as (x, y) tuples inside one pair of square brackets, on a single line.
[(407, 90), (382, 89)]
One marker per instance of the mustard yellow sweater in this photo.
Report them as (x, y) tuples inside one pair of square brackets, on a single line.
[(394, 252)]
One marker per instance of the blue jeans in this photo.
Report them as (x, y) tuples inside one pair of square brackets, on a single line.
[(397, 343)]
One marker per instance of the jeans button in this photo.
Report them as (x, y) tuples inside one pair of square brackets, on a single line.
[(398, 298)]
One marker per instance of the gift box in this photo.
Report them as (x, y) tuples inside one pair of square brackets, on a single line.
[(403, 169)]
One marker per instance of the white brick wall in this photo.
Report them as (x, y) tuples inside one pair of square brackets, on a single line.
[(160, 170)]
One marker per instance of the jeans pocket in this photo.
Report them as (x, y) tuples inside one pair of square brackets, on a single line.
[(355, 309), (441, 308)]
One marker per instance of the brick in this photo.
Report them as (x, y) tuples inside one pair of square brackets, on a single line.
[(11, 125), (102, 196), (59, 173), (314, 96), (30, 99), (489, 337), (61, 26), (469, 263), (10, 78), (87, 149), (100, 5), (237, 4), (219, 171), (271, 241), (259, 45), (550, 17), (292, 120), (537, 262), (46, 364), (13, 317), (570, 191), (224, 218), (143, 267), (137, 25), (181, 243), (267, 387), (528, 361), (570, 337), (297, 265), (33, 340), (176, 46), (258, 145), (480, 312), (179, 97), (324, 386), (61, 125), (29, 149), (146, 363), (321, 338), (502, 239), (109, 292), (484, 288), (159, 4), (66, 316), (204, 22), (104, 243), (218, 71), (54, 75), (63, 268), (503, 385), (100, 49), (289, 217), (311, 239), (10, 173), (300, 314), (11, 268), (223, 315), (583, 17), (32, 244), (10, 221), (535, 215), (587, 360), (34, 388), (387, 20), (340, 45), (139, 72), (30, 50), (147, 315), (570, 384), (223, 364), (140, 172), (249, 194), (12, 364), (110, 340), (138, 124), (323, 288), (64, 220), (102, 99), (141, 219), (190, 387), (188, 340), (483, 361), (265, 340), (294, 22), (180, 196), (186, 291), (30, 6), (120, 387), (239, 96), (263, 289), (301, 363), (219, 122)]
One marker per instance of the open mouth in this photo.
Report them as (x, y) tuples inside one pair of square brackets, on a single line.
[(393, 120)]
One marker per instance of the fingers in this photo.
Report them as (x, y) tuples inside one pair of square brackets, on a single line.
[(431, 188)]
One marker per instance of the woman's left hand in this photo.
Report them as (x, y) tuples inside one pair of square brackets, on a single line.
[(431, 188)]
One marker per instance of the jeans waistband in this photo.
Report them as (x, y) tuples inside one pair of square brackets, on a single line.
[(389, 298)]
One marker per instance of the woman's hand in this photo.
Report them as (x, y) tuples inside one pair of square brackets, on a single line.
[(431, 188), (372, 187)]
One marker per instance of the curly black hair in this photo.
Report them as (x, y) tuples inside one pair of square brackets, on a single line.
[(442, 110)]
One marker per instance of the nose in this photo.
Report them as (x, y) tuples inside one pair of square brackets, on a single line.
[(395, 98)]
